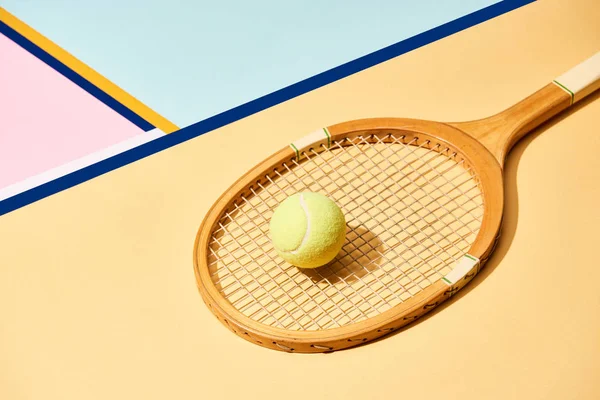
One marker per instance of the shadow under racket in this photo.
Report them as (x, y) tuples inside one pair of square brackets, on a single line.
[(510, 217)]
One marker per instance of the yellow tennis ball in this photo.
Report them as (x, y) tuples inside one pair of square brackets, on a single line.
[(308, 230)]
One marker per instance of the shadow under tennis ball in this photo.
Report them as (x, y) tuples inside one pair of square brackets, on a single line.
[(510, 217), (360, 255)]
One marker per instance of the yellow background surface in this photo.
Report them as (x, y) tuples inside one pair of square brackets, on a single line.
[(97, 291)]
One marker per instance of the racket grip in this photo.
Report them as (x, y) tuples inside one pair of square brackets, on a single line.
[(582, 79)]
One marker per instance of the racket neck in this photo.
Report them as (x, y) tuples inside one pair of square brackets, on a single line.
[(501, 131)]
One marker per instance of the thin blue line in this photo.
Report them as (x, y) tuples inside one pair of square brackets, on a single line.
[(74, 77), (259, 104)]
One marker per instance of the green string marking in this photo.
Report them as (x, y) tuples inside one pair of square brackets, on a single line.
[(328, 137), (296, 150), (471, 257), (566, 89), (293, 146)]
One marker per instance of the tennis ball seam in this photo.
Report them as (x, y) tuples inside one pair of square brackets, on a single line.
[(306, 233)]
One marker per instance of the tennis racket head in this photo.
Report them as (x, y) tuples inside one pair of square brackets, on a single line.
[(423, 203)]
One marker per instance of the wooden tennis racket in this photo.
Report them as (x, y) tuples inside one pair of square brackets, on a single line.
[(423, 203)]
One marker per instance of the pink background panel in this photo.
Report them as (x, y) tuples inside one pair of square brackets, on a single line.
[(46, 120)]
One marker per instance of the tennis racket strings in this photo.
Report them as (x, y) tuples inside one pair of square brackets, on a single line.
[(413, 209)]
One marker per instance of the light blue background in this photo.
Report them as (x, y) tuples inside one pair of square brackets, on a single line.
[(191, 59)]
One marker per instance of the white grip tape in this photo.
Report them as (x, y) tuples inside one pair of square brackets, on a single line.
[(313, 139), (582, 79), (461, 269)]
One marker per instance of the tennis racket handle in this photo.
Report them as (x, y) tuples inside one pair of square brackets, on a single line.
[(501, 131), (582, 79)]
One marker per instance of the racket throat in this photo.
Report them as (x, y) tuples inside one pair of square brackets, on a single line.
[(500, 132)]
